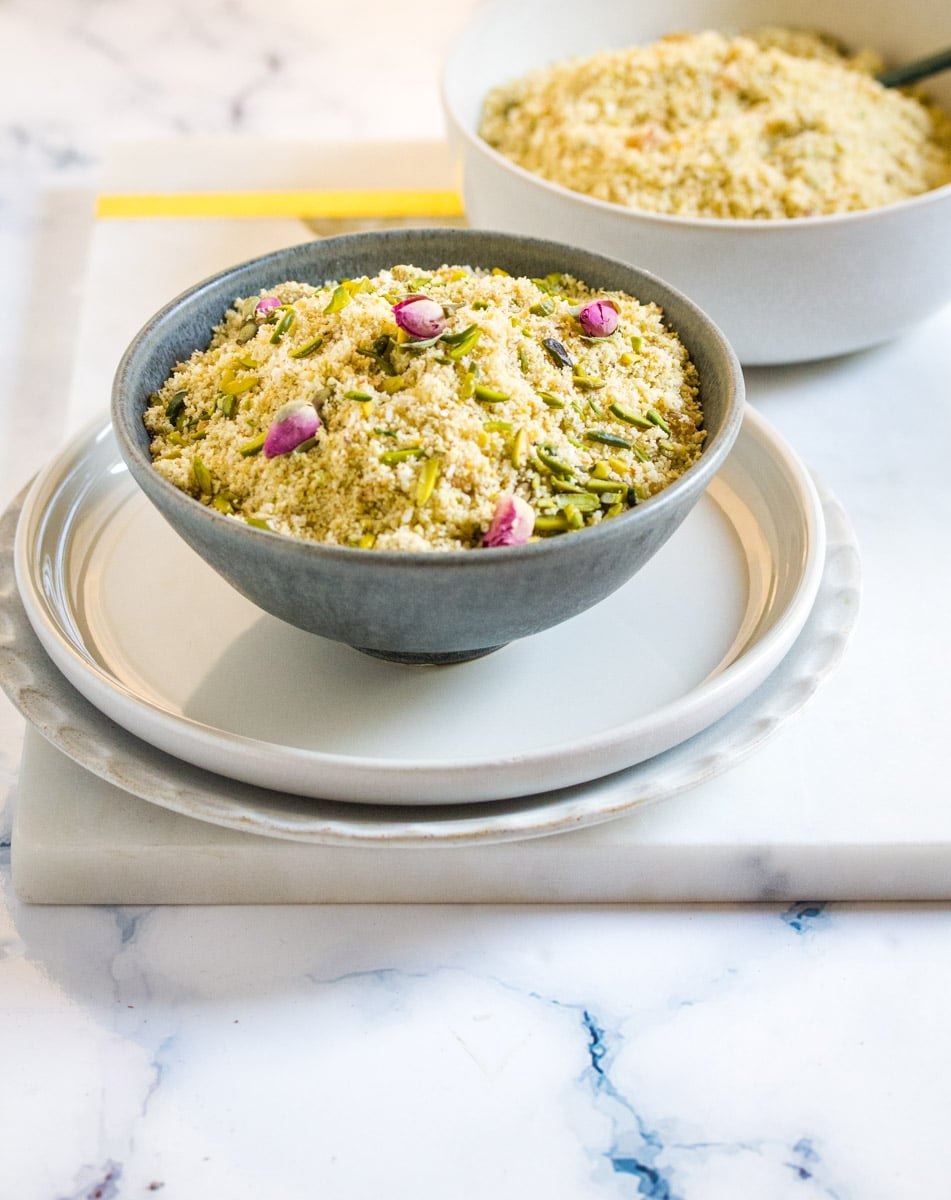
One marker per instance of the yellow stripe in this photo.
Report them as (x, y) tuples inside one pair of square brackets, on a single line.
[(301, 204)]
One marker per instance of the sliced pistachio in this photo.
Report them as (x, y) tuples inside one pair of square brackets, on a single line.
[(637, 343), (467, 342), (390, 458), (604, 486), (519, 452), (308, 348), (176, 406), (548, 456), (283, 326), (489, 395), (257, 523), (497, 426), (222, 504), (202, 477), (554, 524), (641, 453), (393, 384), (253, 447), (228, 405), (454, 339), (524, 360), (579, 500), (467, 385), (356, 286), (359, 396), (607, 439), (656, 419), (563, 485), (544, 308), (236, 387), (551, 400), (425, 484), (585, 382), (379, 353), (550, 284), (340, 299), (246, 332), (629, 416)]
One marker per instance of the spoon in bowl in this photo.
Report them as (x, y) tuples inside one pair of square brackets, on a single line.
[(913, 71)]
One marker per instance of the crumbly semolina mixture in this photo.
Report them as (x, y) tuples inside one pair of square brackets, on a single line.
[(419, 438), (773, 124)]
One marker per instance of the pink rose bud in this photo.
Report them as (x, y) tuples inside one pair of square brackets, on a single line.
[(599, 318), (512, 522), (266, 305), (420, 317), (293, 423)]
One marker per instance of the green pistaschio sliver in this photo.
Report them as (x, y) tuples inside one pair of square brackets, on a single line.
[(340, 299), (489, 395), (253, 447), (202, 476), (175, 406), (629, 416), (285, 323), (548, 456), (308, 347), (607, 439), (390, 458)]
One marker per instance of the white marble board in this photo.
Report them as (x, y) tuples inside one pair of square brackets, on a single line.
[(848, 800)]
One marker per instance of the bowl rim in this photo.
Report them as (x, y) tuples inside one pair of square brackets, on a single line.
[(769, 226), (695, 478)]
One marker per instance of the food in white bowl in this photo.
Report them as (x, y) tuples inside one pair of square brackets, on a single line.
[(804, 286), (416, 410), (770, 124)]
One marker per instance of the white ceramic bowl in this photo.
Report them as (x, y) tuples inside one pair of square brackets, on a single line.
[(781, 291)]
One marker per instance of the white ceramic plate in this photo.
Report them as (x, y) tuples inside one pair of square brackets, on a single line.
[(160, 644), (79, 730)]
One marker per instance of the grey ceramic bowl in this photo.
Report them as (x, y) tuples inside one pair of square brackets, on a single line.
[(422, 607)]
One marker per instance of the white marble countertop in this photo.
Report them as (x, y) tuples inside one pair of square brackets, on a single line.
[(678, 1053)]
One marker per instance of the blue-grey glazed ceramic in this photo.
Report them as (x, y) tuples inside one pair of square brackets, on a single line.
[(422, 607)]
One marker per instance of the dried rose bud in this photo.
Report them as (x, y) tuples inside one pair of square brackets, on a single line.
[(265, 305), (420, 317), (512, 522), (293, 423), (599, 318)]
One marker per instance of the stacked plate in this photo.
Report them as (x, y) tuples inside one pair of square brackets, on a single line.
[(143, 666)]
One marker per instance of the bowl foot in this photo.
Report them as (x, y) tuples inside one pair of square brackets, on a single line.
[(431, 658)]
